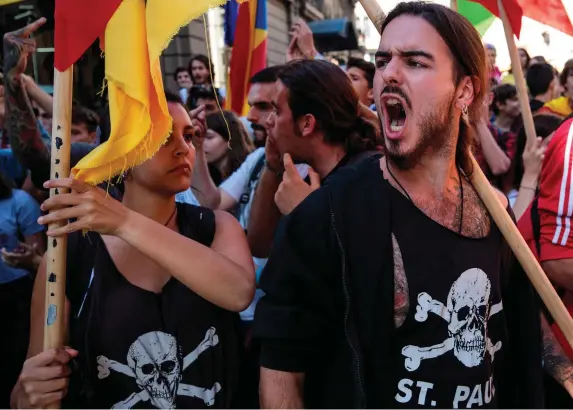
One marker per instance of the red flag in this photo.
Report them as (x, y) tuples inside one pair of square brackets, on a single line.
[(550, 12), (512, 9), (78, 24)]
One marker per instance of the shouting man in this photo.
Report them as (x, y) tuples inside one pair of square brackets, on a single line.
[(391, 285)]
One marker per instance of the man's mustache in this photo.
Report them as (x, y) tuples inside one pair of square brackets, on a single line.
[(257, 127), (389, 89)]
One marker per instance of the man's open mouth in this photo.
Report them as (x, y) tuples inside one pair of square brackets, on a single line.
[(394, 116)]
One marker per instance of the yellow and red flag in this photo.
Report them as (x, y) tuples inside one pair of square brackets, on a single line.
[(136, 33), (249, 53)]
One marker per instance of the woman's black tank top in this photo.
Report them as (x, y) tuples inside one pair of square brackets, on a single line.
[(138, 349), (452, 339)]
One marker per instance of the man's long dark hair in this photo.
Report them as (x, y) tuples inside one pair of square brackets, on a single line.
[(468, 57), (323, 90)]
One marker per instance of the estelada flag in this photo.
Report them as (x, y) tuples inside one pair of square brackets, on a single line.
[(249, 54), (135, 35)]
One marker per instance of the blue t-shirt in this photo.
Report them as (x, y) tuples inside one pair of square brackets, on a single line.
[(17, 214)]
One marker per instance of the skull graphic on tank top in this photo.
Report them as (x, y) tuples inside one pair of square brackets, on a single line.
[(156, 363)]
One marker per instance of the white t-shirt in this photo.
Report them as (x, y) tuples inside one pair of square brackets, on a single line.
[(242, 183)]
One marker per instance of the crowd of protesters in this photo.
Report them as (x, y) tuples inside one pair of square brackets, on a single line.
[(325, 250)]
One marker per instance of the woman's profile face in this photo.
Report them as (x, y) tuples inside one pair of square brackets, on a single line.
[(215, 147), (170, 170)]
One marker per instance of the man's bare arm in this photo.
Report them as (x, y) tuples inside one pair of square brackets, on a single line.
[(264, 215), (281, 390), (555, 361), (497, 160), (21, 123)]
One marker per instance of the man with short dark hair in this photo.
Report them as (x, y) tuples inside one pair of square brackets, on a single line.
[(206, 95), (543, 85), (85, 123), (184, 82), (361, 75)]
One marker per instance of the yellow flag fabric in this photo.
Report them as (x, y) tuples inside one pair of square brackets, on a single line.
[(135, 37), (559, 106), (6, 2)]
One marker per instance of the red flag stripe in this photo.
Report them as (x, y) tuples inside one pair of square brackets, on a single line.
[(512, 9), (550, 12), (78, 24)]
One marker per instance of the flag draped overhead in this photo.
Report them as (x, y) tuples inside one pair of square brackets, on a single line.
[(549, 12), (249, 53), (478, 15), (512, 8), (135, 36)]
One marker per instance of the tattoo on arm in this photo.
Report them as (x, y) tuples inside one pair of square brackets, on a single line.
[(21, 123), (401, 294), (555, 361)]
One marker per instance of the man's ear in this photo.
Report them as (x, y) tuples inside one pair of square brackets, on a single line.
[(306, 124), (371, 95), (466, 92)]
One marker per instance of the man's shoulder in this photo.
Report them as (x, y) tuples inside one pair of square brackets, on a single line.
[(351, 185)]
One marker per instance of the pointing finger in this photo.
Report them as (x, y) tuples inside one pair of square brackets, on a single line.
[(290, 169), (32, 27)]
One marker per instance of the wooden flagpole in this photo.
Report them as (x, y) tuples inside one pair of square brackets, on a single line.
[(54, 331), (505, 224)]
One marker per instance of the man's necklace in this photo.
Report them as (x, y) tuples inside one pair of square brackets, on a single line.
[(410, 198)]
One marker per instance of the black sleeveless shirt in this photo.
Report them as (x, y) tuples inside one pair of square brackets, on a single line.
[(138, 349), (454, 333)]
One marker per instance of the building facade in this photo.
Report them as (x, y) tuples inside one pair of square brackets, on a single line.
[(202, 36)]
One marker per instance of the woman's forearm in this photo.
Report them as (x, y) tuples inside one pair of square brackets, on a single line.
[(497, 160), (210, 274), (525, 196)]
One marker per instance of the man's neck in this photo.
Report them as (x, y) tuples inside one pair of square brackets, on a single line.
[(326, 158), (544, 97), (430, 179), (503, 122), (149, 204)]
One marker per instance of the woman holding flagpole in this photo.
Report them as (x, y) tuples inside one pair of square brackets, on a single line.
[(151, 291)]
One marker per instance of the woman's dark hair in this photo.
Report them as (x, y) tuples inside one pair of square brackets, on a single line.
[(545, 124), (469, 59), (323, 90), (567, 69), (527, 61), (205, 60), (5, 187), (240, 145)]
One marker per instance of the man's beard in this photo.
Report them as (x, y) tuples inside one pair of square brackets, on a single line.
[(259, 130), (435, 129)]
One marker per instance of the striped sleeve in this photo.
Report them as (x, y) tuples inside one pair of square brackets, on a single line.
[(556, 196)]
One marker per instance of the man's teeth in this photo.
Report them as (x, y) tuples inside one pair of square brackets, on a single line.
[(395, 127), (392, 101)]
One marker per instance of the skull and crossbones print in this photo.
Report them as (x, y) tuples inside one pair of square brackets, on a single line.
[(467, 312), (156, 363)]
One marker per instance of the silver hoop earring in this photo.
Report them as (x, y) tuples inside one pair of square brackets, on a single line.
[(465, 114)]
